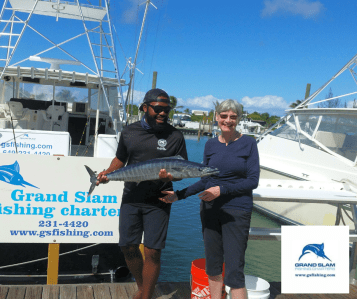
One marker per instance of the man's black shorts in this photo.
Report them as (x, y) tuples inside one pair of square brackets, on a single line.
[(225, 235), (138, 218)]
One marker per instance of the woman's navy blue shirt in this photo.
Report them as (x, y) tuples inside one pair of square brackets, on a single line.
[(238, 163)]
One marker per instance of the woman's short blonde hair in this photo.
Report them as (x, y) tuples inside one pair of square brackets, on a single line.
[(230, 105)]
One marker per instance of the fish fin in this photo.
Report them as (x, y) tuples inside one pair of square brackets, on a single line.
[(16, 166), (93, 180), (6, 179), (178, 157), (91, 188), (90, 171)]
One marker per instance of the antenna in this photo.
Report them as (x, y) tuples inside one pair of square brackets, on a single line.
[(55, 63)]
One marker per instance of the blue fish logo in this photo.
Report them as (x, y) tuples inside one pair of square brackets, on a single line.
[(11, 174), (318, 249)]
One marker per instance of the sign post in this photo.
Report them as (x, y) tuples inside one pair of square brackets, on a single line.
[(53, 262)]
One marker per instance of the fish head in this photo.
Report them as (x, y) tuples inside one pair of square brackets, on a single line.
[(206, 171), (17, 179)]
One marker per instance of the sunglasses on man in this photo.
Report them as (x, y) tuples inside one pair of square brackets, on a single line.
[(159, 109)]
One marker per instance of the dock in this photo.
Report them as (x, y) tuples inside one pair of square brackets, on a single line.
[(163, 290)]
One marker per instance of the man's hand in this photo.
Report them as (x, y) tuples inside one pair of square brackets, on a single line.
[(165, 176), (210, 194), (170, 197), (102, 178)]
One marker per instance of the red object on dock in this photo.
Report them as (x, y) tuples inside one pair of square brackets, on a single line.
[(199, 281)]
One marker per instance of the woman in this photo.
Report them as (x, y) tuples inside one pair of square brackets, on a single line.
[(227, 201)]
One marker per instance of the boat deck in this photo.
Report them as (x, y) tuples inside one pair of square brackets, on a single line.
[(163, 290)]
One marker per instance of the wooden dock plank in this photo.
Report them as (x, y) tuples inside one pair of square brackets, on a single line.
[(3, 292), (131, 288), (33, 292), (51, 292), (16, 292), (163, 290), (101, 291), (68, 292), (118, 292), (85, 292)]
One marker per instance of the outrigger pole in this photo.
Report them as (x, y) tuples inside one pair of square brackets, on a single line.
[(132, 71)]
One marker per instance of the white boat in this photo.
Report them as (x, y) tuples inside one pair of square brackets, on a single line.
[(315, 142), (57, 115), (247, 127)]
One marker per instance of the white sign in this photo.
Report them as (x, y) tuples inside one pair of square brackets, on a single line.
[(44, 200), (41, 143), (315, 259)]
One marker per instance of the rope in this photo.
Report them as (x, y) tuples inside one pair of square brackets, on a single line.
[(13, 131), (84, 131), (45, 258), (91, 141)]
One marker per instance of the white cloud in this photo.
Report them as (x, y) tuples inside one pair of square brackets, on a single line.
[(138, 96), (306, 8), (199, 102), (266, 102)]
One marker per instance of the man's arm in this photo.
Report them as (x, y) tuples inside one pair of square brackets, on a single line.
[(114, 165)]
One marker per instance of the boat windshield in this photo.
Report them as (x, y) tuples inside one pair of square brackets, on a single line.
[(335, 131)]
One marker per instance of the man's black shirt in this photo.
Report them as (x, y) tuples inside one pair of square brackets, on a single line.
[(137, 144)]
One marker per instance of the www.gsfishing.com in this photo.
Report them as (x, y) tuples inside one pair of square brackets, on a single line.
[(315, 275), (62, 233)]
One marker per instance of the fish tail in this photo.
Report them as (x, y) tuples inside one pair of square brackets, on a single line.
[(93, 179)]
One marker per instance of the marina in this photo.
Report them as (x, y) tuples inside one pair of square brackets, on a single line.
[(64, 114)]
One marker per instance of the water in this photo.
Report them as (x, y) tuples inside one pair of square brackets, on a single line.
[(184, 240)]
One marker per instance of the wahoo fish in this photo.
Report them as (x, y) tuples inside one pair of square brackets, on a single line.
[(149, 171), (11, 174), (318, 249)]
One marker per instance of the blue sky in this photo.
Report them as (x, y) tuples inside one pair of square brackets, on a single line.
[(260, 52)]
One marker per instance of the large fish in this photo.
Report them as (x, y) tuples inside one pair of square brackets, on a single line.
[(11, 174), (149, 171), (318, 249)]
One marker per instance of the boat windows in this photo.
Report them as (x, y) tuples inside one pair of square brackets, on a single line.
[(336, 132)]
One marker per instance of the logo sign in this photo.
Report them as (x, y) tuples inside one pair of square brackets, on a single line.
[(315, 259), (45, 200), (162, 143)]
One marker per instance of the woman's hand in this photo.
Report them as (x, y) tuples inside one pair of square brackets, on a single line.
[(170, 197), (210, 194)]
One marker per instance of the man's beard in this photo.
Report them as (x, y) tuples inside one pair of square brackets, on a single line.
[(155, 126)]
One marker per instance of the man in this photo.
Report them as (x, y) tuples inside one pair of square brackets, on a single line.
[(141, 210)]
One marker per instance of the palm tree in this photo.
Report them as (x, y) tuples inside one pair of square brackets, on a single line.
[(173, 103), (295, 104)]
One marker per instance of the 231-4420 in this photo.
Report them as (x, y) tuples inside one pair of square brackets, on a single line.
[(64, 224)]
